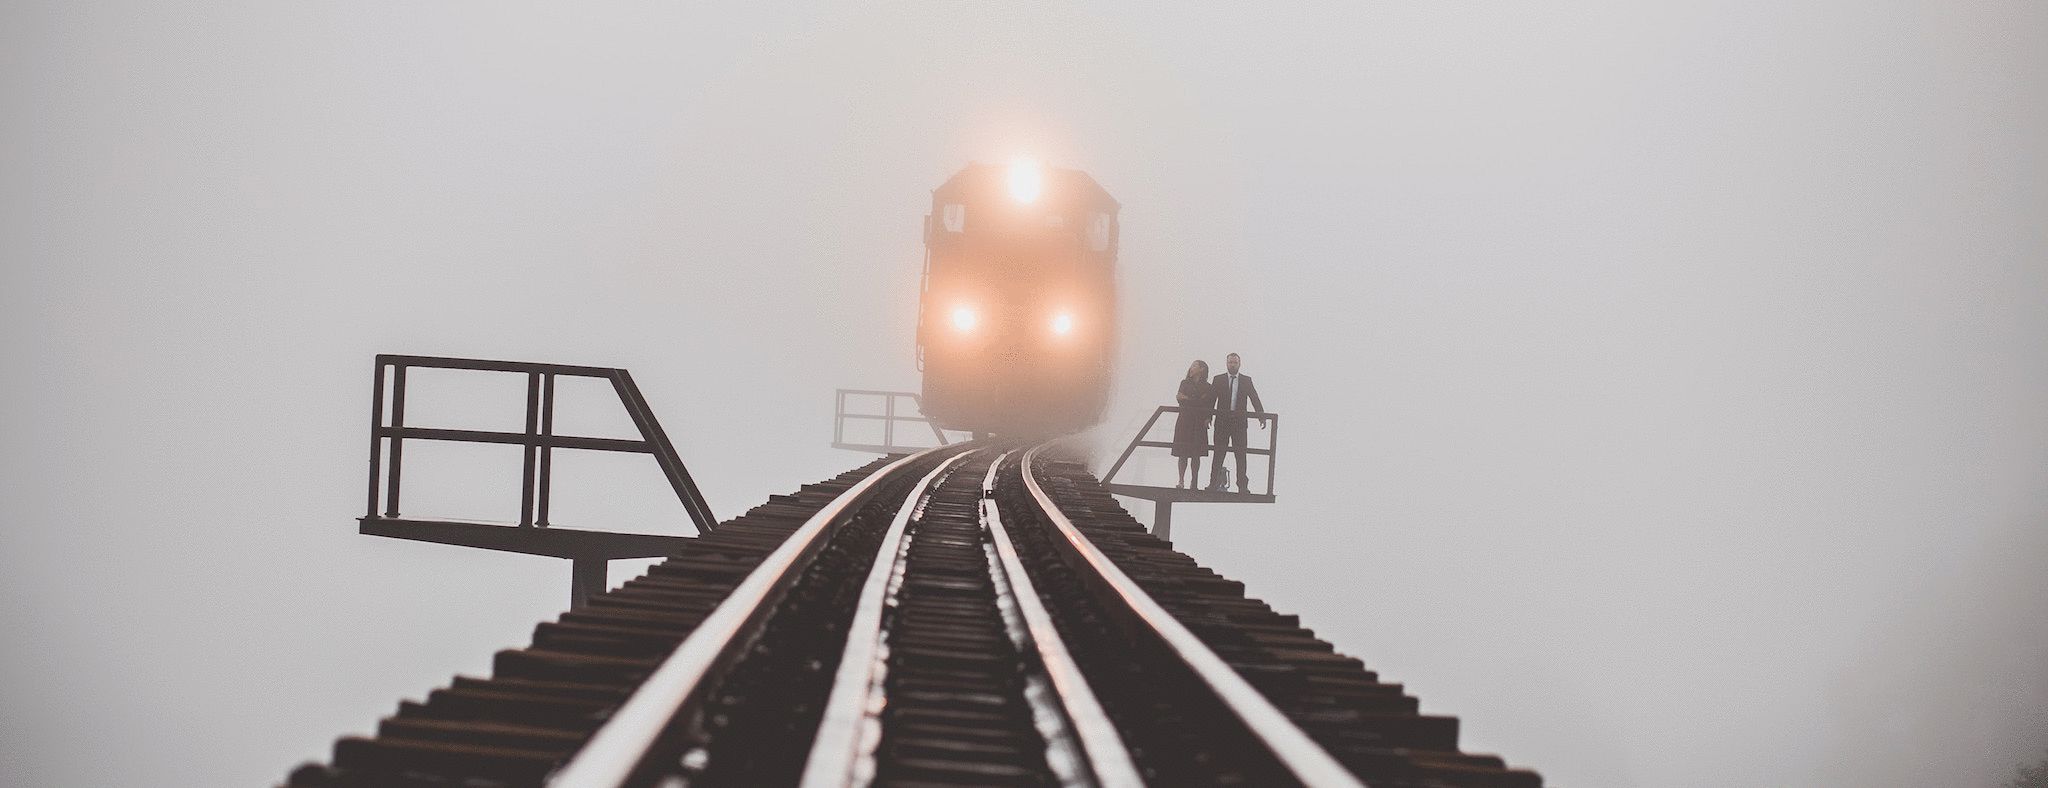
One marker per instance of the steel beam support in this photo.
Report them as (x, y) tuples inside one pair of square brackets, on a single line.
[(587, 578)]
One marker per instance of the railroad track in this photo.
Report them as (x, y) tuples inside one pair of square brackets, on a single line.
[(977, 615)]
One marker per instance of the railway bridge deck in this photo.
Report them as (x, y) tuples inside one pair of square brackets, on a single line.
[(973, 614)]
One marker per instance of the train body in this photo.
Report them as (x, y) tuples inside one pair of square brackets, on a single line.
[(1017, 328)]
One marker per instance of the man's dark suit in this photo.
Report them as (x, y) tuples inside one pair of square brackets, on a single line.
[(1230, 424)]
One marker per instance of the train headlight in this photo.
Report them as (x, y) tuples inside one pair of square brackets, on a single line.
[(1063, 324), (1026, 180), (964, 318)]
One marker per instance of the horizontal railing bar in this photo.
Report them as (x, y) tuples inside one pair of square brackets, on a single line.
[(880, 448), (1169, 445), (517, 439), (486, 365), (875, 393), (877, 417), (1251, 414)]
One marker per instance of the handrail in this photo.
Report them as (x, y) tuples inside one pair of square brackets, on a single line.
[(889, 416), (538, 438), (1301, 755), (1271, 452)]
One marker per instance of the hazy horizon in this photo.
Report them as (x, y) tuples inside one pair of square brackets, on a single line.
[(1664, 386)]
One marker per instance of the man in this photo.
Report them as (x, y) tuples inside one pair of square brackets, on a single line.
[(1233, 391)]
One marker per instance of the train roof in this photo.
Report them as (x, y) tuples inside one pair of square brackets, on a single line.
[(982, 178)]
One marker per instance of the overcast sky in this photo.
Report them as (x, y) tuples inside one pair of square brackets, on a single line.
[(1664, 383)]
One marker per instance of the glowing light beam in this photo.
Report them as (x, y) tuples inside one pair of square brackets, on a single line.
[(1027, 180)]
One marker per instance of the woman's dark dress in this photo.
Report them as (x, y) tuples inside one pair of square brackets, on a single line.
[(1191, 429)]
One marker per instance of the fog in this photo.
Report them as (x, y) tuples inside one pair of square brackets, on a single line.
[(1663, 383)]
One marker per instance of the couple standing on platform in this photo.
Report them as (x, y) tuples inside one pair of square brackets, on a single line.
[(1225, 398)]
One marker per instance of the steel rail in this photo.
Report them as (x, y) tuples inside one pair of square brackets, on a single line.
[(612, 755), (1102, 749), (841, 752), (1291, 746)]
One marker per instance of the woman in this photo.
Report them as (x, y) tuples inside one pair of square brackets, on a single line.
[(1191, 428)]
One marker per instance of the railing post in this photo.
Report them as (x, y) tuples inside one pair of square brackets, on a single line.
[(397, 441), (586, 579), (547, 451), (937, 434), (376, 441), (889, 421), (1273, 453), (531, 451)]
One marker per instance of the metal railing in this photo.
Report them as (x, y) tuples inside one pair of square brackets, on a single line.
[(539, 438), (891, 414), (1271, 451)]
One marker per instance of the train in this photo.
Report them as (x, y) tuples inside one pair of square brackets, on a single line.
[(1017, 310)]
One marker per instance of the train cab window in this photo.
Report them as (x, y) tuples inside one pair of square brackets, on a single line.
[(954, 216), (1098, 232)]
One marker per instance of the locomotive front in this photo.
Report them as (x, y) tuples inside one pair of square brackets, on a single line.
[(1017, 321)]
